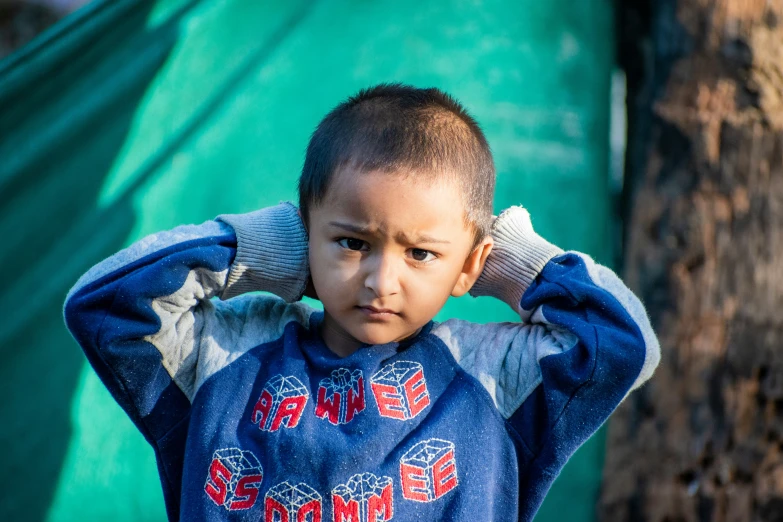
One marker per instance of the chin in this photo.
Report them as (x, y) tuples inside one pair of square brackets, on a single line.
[(374, 335)]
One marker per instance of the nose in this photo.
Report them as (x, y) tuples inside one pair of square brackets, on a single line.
[(383, 277)]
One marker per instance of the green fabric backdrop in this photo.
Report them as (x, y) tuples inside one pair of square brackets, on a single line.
[(132, 116)]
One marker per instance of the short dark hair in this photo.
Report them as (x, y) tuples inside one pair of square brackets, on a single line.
[(391, 127)]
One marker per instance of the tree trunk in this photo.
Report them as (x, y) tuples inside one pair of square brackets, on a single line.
[(704, 250)]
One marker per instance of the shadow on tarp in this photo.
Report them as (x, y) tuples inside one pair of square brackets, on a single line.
[(73, 96), (67, 110)]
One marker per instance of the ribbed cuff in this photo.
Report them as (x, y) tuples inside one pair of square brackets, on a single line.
[(271, 253), (518, 256)]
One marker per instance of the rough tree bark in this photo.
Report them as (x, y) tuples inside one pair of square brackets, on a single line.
[(704, 249)]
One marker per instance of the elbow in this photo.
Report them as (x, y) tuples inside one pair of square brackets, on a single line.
[(81, 319), (651, 349), (73, 316), (71, 313)]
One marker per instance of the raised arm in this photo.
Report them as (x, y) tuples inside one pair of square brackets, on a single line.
[(146, 322), (583, 344)]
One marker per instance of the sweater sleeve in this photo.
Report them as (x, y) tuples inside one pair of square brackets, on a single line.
[(583, 344), (146, 321)]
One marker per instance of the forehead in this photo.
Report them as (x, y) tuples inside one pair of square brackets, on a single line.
[(396, 202)]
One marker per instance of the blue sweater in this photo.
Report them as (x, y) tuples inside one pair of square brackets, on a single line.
[(252, 417)]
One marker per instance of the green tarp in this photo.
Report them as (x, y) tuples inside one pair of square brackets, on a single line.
[(132, 116)]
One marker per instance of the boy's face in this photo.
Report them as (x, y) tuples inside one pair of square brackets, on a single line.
[(386, 251)]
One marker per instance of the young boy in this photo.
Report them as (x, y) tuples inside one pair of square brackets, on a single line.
[(259, 407)]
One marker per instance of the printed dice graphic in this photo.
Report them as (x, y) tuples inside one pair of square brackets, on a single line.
[(281, 403), (364, 498), (287, 503), (400, 390), (428, 470), (234, 478), (341, 396)]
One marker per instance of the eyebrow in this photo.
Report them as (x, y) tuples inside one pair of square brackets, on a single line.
[(400, 237), (350, 228)]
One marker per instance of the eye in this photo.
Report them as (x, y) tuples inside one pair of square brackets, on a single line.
[(351, 243), (422, 256)]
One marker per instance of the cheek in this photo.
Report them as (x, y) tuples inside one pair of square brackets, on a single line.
[(331, 273), (431, 289)]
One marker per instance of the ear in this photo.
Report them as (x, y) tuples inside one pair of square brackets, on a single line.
[(473, 266), (304, 221)]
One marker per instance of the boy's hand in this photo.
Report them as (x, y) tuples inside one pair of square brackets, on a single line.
[(517, 257), (271, 252)]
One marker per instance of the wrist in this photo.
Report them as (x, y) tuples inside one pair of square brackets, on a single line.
[(517, 257), (271, 253)]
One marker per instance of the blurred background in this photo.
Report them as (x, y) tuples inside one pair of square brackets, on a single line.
[(23, 20), (645, 133)]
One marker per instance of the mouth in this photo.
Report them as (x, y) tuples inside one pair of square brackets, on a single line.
[(377, 313)]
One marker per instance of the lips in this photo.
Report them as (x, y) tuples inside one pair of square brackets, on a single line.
[(374, 310)]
